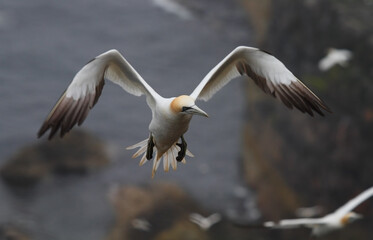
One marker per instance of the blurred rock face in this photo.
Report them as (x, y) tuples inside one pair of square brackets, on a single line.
[(78, 152), (9, 232), (293, 160), (165, 208)]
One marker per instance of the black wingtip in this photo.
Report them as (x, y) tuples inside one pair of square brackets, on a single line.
[(265, 51), (90, 61), (42, 130)]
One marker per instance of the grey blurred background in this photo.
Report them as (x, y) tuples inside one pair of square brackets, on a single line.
[(254, 159)]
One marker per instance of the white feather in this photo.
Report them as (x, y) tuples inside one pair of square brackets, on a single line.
[(112, 66), (261, 63), (205, 222)]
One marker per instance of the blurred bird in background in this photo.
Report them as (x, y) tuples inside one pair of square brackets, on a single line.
[(307, 212), (333, 221), (205, 223), (335, 57), (141, 224)]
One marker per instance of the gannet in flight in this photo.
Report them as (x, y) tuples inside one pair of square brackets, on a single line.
[(308, 212), (174, 7), (141, 224), (334, 57), (205, 223), (333, 221), (171, 116)]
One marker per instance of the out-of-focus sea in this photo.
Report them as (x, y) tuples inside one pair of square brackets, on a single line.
[(44, 43)]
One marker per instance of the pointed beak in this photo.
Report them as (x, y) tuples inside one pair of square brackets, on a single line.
[(196, 110)]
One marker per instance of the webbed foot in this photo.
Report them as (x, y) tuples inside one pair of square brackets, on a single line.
[(183, 148), (149, 151)]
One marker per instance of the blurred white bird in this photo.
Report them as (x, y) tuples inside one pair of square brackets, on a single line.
[(171, 116), (334, 57), (307, 212), (174, 7), (205, 223), (333, 221), (141, 224)]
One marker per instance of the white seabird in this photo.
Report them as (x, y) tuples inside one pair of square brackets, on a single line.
[(174, 7), (308, 212), (171, 116), (333, 221), (141, 224), (334, 57), (205, 223)]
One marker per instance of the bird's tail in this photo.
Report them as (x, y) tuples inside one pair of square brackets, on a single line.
[(169, 157)]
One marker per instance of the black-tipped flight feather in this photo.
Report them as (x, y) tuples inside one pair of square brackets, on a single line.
[(267, 72)]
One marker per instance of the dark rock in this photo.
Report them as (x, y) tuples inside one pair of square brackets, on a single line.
[(293, 160), (10, 232), (77, 152), (166, 208), (183, 230), (161, 205), (26, 168)]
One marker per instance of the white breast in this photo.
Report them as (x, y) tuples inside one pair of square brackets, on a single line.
[(166, 126)]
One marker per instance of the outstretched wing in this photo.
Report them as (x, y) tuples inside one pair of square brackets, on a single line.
[(267, 72), (214, 218), (353, 203), (85, 89), (295, 223)]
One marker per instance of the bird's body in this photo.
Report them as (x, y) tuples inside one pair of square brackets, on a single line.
[(167, 126), (330, 222), (171, 116)]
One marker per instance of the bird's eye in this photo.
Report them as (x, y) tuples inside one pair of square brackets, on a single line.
[(185, 109)]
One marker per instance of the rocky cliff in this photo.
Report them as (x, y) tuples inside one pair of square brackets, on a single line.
[(294, 160)]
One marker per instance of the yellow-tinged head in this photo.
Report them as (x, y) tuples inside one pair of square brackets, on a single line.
[(350, 217), (185, 105)]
